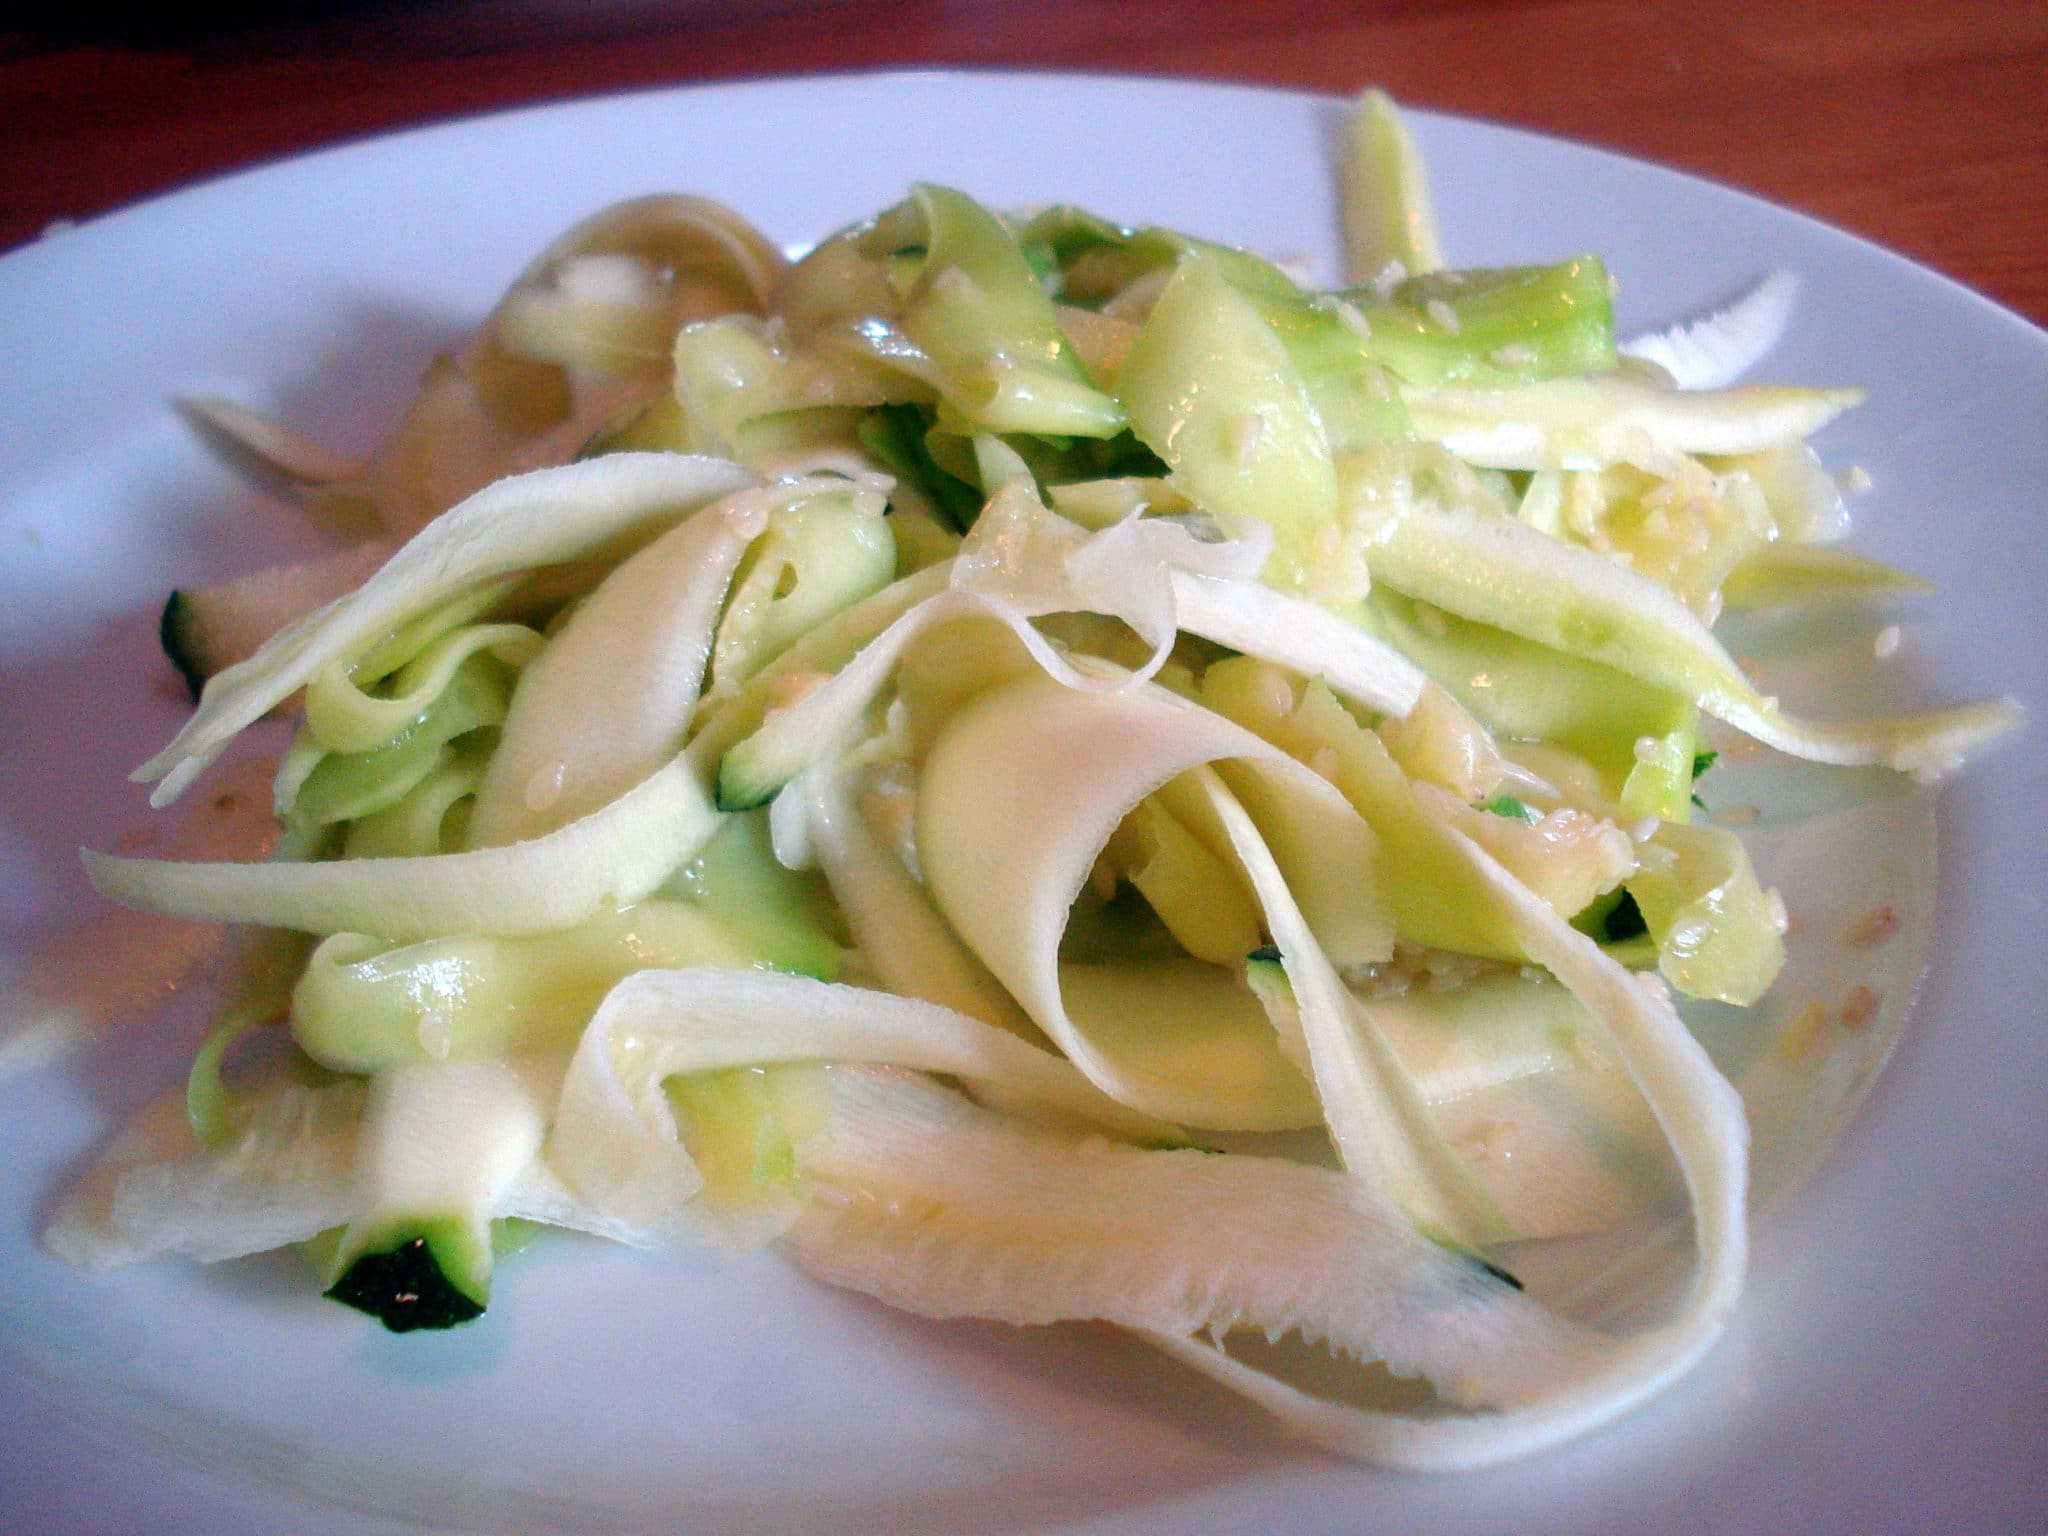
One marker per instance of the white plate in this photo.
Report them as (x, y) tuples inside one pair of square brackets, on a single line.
[(1890, 1369)]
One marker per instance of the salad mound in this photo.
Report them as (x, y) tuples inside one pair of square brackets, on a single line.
[(1051, 769)]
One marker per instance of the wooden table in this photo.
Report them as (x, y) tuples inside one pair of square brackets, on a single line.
[(1922, 126)]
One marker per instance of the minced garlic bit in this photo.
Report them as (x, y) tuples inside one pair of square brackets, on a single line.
[(1514, 355), (1352, 318), (890, 805), (954, 286), (1443, 315), (1490, 1141), (1688, 935), (435, 1033), (1858, 1009), (1648, 749), (1241, 436), (545, 787), (1873, 927), (1774, 909), (1886, 645)]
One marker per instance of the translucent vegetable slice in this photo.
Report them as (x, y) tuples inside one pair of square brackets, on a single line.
[(615, 1135), (583, 511), (1006, 852), (1384, 194), (611, 858), (1497, 570)]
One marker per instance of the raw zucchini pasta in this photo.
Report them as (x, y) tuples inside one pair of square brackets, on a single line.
[(1049, 769)]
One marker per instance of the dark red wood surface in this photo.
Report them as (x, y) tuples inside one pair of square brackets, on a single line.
[(1922, 126)]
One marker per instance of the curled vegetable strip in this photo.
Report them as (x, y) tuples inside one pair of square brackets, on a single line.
[(285, 1176), (1717, 349), (612, 857), (1375, 1113), (581, 511), (1021, 562), (894, 924), (449, 1137), (1499, 571), (545, 371), (1701, 1117), (1590, 423), (615, 1135), (1247, 440), (275, 451), (729, 718), (341, 716), (986, 329), (1007, 853), (696, 241), (1387, 217), (362, 1005), (1294, 633), (609, 700), (940, 1208)]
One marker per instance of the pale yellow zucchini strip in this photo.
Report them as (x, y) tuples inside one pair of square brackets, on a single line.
[(615, 1137), (612, 857), (894, 924), (1498, 570), (1300, 635), (1384, 195), (583, 511), (1593, 422), (1007, 847), (1376, 1115), (1702, 1118), (610, 699), (1022, 562), (943, 1209)]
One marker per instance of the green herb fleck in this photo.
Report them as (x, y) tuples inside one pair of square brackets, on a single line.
[(1513, 809), (1701, 762)]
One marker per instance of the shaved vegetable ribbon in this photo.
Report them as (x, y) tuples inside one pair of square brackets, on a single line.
[(1080, 816)]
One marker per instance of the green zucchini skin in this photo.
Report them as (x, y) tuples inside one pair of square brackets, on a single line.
[(175, 633), (405, 1289)]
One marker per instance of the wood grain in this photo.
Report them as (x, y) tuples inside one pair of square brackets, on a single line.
[(1923, 127)]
